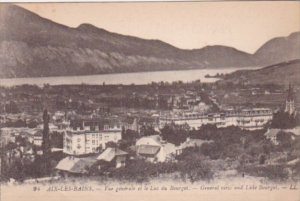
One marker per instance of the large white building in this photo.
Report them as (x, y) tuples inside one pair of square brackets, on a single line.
[(249, 119), (86, 137)]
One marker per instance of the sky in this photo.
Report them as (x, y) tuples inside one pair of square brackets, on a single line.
[(187, 25)]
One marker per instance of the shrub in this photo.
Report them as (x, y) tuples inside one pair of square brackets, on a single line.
[(272, 172)]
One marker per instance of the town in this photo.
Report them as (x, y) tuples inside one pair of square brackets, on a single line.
[(189, 131)]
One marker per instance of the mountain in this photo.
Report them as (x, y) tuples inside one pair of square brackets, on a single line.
[(32, 46), (279, 49), (281, 74)]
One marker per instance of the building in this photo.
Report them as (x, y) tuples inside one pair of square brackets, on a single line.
[(271, 134), (110, 157), (249, 119), (9, 134), (59, 116), (38, 138), (130, 123), (290, 101), (6, 136), (71, 165), (113, 157), (154, 149), (90, 136)]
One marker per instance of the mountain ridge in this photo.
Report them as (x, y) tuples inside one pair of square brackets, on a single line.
[(33, 46), (273, 51), (281, 74)]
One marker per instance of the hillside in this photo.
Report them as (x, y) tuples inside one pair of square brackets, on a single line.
[(32, 46), (281, 74), (279, 49)]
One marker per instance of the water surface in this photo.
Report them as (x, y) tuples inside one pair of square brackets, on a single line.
[(123, 78)]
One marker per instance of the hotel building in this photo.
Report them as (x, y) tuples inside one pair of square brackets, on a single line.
[(90, 136), (249, 119)]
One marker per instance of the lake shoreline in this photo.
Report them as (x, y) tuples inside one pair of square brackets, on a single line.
[(136, 78), (188, 69)]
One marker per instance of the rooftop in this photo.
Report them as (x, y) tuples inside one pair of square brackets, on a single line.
[(75, 165), (148, 149), (110, 153)]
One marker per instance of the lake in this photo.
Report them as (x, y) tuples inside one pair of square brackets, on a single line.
[(137, 78)]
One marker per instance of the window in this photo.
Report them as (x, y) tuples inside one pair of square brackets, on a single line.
[(93, 142), (78, 139)]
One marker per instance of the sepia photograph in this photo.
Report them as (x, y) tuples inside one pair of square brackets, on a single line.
[(150, 101)]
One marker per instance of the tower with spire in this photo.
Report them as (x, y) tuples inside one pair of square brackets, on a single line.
[(290, 101)]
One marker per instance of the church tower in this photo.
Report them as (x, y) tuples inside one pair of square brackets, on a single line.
[(290, 101)]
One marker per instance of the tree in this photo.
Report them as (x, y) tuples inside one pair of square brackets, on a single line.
[(46, 147), (21, 141), (147, 130), (16, 170), (9, 148), (284, 120), (128, 139), (193, 168), (262, 159), (212, 150), (129, 135), (284, 139), (175, 134), (12, 107), (46, 137), (272, 172), (111, 144), (56, 140)]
